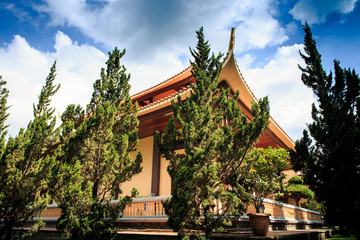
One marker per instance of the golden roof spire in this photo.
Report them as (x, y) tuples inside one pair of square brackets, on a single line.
[(232, 39)]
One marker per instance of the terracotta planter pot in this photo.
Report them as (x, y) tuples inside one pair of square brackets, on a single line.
[(259, 223)]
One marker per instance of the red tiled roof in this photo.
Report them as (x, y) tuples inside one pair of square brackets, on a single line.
[(167, 82), (165, 99)]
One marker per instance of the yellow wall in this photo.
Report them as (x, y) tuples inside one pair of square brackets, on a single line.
[(289, 174), (165, 180), (142, 181)]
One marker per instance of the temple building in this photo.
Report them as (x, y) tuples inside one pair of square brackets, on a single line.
[(154, 183), (155, 111)]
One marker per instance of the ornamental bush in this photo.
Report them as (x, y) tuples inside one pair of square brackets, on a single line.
[(264, 177), (296, 180), (296, 190)]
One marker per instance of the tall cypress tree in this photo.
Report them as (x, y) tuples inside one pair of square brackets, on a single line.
[(24, 166), (4, 93), (96, 149), (216, 136), (330, 159)]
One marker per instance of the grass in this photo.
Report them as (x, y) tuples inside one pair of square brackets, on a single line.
[(341, 237)]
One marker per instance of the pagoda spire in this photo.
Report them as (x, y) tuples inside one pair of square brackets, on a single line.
[(232, 39)]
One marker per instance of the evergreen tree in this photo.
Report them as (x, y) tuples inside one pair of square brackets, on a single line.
[(216, 136), (97, 152), (4, 93), (330, 159), (24, 166)]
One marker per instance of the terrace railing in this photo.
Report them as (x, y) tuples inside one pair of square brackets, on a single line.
[(151, 207)]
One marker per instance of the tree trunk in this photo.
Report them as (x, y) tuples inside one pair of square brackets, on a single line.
[(208, 228), (9, 229), (257, 205), (357, 233)]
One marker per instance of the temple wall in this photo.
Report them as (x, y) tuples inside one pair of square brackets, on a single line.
[(142, 181), (165, 180)]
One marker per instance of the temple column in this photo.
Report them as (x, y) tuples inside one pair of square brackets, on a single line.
[(155, 177)]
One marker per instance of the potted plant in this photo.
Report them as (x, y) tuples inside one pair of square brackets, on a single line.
[(264, 179)]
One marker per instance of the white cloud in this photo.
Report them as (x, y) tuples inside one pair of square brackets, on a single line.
[(62, 40), (25, 69), (157, 43), (157, 34), (245, 61), (162, 67), (317, 11), (168, 25), (280, 80)]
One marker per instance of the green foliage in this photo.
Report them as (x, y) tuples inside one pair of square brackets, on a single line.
[(296, 180), (216, 136), (330, 156), (95, 157), (298, 191), (24, 166), (314, 205), (113, 87), (264, 177), (4, 93), (341, 237)]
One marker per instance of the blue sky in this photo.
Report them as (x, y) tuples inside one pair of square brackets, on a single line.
[(157, 34)]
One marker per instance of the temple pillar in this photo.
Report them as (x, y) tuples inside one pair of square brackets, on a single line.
[(155, 177)]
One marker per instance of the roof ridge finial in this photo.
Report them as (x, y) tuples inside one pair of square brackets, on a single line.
[(232, 39)]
